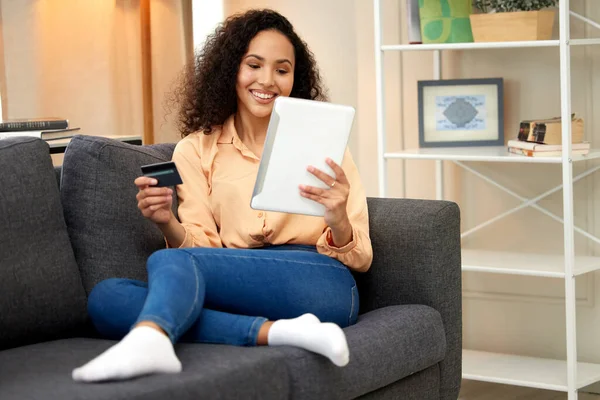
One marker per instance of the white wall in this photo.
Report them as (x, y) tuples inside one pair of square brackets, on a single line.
[(81, 60), (76, 68), (206, 15)]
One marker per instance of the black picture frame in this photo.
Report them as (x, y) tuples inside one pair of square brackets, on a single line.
[(493, 91)]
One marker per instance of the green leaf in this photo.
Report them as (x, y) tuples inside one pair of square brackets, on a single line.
[(513, 5)]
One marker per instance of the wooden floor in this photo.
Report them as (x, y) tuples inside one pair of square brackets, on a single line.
[(473, 390)]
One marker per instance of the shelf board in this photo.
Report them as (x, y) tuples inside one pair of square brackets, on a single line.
[(584, 42), (532, 372), (488, 153), (530, 264), (486, 45), (469, 46)]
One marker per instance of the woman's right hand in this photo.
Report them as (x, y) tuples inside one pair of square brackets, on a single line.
[(154, 202)]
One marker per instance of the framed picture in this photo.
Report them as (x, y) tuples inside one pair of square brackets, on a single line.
[(461, 112)]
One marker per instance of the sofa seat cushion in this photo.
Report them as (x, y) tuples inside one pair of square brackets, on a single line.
[(41, 294), (386, 345), (110, 236), (210, 372)]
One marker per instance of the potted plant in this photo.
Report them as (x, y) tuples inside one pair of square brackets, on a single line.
[(512, 20)]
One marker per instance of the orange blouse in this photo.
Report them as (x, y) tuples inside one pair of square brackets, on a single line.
[(218, 173)]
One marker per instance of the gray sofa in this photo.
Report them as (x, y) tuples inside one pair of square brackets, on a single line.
[(64, 230)]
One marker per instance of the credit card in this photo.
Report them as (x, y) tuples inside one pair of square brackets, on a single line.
[(165, 173)]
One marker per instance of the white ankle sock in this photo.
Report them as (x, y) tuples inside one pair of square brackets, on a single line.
[(143, 351), (309, 333)]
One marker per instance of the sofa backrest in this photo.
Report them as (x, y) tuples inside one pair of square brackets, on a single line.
[(41, 293), (109, 235)]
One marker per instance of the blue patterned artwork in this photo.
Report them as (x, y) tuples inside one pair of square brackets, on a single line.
[(460, 113)]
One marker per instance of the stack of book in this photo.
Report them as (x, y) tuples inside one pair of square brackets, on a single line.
[(43, 128), (543, 138), (531, 149)]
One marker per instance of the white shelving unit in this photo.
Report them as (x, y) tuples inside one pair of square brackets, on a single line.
[(561, 375)]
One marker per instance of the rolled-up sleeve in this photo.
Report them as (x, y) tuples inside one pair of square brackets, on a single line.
[(358, 254)]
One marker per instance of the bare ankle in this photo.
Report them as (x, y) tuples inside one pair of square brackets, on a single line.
[(152, 325), (263, 334)]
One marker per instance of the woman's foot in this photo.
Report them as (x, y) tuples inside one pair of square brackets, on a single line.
[(143, 351), (309, 333)]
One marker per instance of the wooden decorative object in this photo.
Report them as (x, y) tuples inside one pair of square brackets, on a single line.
[(513, 26), (549, 131)]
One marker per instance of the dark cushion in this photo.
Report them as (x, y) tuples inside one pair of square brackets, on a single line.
[(110, 236), (423, 385), (386, 345), (41, 295), (58, 173), (210, 372)]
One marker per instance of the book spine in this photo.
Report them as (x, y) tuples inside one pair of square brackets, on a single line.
[(33, 125), (539, 133), (8, 135), (413, 22), (523, 152), (533, 153)]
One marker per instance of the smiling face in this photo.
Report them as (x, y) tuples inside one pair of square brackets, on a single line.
[(266, 71)]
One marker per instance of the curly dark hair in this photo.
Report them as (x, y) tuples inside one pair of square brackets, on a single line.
[(205, 95)]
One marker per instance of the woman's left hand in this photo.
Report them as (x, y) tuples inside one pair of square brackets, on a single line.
[(334, 199)]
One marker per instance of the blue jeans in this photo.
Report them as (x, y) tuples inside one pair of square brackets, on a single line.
[(208, 295)]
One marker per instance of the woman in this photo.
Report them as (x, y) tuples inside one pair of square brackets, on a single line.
[(234, 275)]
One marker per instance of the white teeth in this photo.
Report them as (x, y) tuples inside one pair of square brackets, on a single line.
[(263, 95)]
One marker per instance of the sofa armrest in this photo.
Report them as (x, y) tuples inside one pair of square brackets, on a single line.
[(417, 260)]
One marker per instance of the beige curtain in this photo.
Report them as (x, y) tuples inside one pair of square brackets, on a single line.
[(83, 60)]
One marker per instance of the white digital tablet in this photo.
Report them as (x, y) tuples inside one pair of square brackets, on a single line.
[(300, 133)]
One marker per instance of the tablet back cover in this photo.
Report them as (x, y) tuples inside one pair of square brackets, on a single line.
[(300, 133)]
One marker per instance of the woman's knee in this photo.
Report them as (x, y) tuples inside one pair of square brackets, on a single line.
[(100, 300), (341, 306), (168, 257), (114, 304), (175, 264)]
